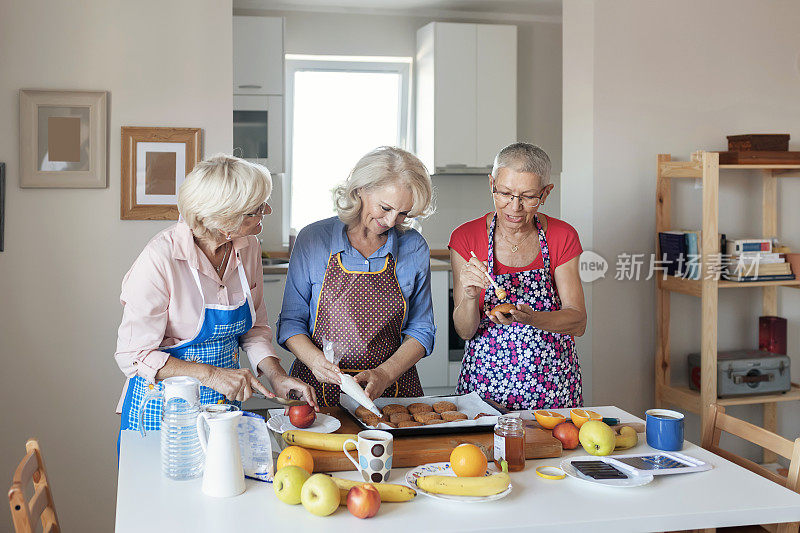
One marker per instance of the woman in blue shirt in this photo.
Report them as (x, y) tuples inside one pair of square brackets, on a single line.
[(363, 281)]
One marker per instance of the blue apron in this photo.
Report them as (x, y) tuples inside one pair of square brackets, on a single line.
[(216, 343)]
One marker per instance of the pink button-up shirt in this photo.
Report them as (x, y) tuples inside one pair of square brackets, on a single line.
[(163, 306)]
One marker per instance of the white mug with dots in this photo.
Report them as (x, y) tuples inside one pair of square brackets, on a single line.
[(374, 448)]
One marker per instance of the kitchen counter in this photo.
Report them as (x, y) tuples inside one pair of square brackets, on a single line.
[(727, 495), (280, 269)]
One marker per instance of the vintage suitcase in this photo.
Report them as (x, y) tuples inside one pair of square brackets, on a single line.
[(743, 372)]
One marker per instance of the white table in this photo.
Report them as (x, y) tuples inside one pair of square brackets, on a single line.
[(725, 496)]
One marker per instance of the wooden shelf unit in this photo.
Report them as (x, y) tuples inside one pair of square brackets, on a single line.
[(705, 166)]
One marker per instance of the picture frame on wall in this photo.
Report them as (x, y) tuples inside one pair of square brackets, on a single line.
[(63, 139), (155, 161), (2, 203)]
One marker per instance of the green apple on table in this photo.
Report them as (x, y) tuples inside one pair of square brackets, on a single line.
[(320, 495), (597, 437), (288, 483)]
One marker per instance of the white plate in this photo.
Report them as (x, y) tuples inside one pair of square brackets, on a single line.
[(632, 481), (443, 469), (323, 424)]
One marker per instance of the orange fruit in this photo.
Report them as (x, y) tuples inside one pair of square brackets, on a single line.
[(297, 456), (548, 419), (467, 460), (580, 416)]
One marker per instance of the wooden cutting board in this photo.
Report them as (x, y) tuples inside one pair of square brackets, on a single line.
[(415, 451)]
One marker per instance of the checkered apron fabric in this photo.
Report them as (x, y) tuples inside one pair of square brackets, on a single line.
[(216, 343)]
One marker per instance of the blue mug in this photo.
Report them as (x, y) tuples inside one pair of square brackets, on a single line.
[(664, 429)]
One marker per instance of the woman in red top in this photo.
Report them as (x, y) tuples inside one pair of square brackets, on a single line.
[(525, 359)]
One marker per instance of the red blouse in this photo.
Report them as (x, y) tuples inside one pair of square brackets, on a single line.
[(562, 241)]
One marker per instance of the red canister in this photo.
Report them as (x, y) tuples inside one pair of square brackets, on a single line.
[(772, 334)]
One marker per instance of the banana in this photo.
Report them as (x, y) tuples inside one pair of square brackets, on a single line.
[(627, 438), (319, 441), (389, 492), (466, 486)]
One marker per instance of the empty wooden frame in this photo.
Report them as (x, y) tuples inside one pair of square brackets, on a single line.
[(155, 162), (63, 139)]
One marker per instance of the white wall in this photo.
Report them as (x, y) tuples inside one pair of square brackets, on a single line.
[(164, 64), (674, 80), (460, 198)]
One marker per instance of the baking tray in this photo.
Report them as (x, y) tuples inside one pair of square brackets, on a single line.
[(470, 404)]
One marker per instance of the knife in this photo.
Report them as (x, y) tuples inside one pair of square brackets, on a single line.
[(282, 401)]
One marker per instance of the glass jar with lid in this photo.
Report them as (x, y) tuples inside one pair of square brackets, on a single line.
[(509, 443)]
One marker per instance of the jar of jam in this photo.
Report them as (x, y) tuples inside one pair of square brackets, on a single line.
[(509, 443)]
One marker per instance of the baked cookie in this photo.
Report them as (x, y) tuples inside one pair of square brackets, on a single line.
[(481, 414), (362, 411), (450, 416), (390, 424), (432, 421), (399, 417), (394, 408), (422, 417), (408, 424), (415, 408), (370, 419), (441, 407)]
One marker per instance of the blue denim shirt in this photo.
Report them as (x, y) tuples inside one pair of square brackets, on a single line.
[(314, 245)]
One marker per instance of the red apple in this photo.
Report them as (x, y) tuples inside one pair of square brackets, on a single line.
[(363, 501), (302, 416), (567, 433)]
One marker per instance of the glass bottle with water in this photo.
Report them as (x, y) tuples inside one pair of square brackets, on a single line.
[(181, 454)]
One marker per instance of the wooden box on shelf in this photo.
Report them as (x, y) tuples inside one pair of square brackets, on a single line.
[(759, 157), (758, 141)]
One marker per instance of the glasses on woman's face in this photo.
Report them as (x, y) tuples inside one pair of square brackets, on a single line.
[(261, 211), (504, 198)]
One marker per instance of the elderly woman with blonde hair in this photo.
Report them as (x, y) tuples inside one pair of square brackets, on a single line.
[(195, 294), (362, 281)]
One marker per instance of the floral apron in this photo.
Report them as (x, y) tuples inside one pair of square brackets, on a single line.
[(216, 343), (363, 313), (519, 366)]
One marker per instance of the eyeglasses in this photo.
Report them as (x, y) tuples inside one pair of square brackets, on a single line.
[(505, 198), (261, 211)]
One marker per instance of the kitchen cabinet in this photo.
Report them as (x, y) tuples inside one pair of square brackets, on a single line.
[(258, 55), (433, 369), (466, 95)]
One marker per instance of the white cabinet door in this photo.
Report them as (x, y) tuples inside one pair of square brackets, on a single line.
[(273, 298), (466, 94), (496, 90), (258, 55), (433, 368), (454, 103)]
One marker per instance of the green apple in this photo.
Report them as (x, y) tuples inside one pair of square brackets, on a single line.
[(597, 438), (288, 483), (320, 495)]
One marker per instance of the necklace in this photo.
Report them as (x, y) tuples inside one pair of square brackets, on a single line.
[(515, 247), (224, 256)]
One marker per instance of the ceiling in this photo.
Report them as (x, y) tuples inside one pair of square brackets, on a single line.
[(525, 8)]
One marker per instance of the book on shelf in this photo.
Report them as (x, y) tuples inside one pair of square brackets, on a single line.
[(738, 246), (681, 252), (769, 277), (756, 257), (754, 269)]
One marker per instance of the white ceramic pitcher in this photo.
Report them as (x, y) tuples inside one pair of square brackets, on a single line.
[(223, 476)]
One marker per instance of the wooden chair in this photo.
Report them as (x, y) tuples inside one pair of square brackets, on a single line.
[(718, 422), (41, 507)]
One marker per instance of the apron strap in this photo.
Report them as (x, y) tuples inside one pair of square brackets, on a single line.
[(246, 288)]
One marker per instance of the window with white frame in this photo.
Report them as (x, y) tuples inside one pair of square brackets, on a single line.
[(339, 108)]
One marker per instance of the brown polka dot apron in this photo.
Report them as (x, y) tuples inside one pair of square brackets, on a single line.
[(363, 313)]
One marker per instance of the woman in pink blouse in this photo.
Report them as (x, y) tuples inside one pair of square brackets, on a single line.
[(195, 295)]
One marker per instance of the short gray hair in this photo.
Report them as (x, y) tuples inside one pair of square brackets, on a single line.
[(524, 157), (383, 166), (219, 191)]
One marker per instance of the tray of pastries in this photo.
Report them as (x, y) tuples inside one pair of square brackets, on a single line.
[(425, 415)]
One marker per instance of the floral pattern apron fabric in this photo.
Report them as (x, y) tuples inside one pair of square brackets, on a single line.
[(216, 343), (519, 366), (363, 313)]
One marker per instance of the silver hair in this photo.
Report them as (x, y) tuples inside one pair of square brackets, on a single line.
[(524, 157), (385, 165), (219, 191)]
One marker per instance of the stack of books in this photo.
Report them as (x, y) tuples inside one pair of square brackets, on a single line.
[(754, 260)]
